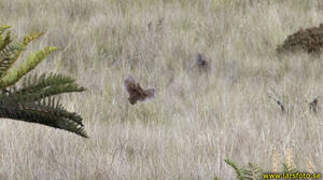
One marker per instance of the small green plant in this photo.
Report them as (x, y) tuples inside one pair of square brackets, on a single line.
[(252, 172), (33, 101)]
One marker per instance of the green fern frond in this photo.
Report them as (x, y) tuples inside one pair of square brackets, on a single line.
[(288, 169), (33, 36), (33, 102), (10, 52), (47, 92), (36, 82), (252, 172), (4, 41), (32, 61), (235, 167), (45, 114), (8, 56), (36, 88), (4, 28)]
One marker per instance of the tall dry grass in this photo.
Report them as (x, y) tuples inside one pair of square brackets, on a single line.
[(197, 120)]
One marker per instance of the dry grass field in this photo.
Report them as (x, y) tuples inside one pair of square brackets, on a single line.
[(198, 119)]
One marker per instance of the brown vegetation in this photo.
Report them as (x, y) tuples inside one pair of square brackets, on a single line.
[(309, 40)]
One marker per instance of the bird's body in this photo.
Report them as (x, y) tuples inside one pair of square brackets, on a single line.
[(202, 64), (314, 105), (136, 92)]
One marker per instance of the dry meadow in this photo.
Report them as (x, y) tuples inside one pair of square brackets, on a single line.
[(198, 118)]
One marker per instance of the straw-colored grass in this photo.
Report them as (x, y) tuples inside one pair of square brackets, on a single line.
[(196, 120)]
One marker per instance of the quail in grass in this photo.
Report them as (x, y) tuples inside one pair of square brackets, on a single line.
[(279, 103), (136, 93), (201, 60), (314, 105), (202, 63)]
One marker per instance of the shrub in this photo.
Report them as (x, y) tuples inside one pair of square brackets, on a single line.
[(309, 40)]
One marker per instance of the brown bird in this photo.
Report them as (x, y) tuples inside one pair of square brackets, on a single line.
[(136, 92), (201, 60), (279, 103), (314, 105), (202, 63)]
